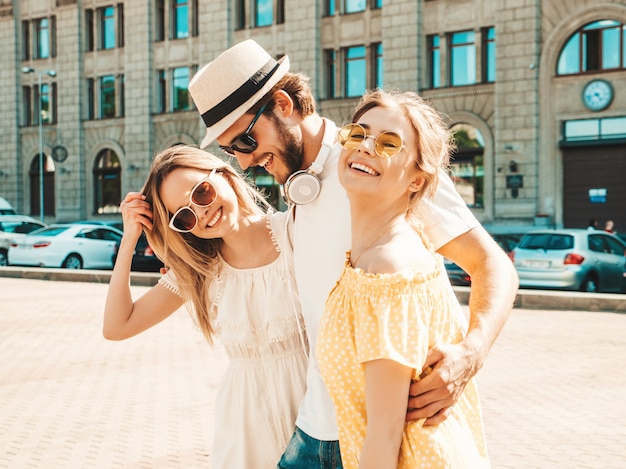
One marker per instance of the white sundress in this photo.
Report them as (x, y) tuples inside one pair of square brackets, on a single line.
[(258, 320)]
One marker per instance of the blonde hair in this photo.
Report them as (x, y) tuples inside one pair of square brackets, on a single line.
[(433, 136), (193, 260)]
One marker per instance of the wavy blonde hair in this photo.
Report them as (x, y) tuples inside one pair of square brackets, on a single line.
[(193, 260), (434, 139)]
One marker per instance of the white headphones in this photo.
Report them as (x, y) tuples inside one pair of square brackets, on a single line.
[(303, 186)]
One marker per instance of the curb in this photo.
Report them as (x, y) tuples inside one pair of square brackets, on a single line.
[(525, 299)]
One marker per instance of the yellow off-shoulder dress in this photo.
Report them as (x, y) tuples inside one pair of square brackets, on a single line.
[(397, 317)]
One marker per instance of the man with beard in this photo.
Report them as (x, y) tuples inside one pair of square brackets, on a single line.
[(264, 115)]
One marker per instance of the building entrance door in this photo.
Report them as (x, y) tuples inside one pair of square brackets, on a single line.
[(594, 186)]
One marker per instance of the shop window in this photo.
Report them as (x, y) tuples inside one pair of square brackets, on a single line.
[(107, 175), (595, 47), (467, 165)]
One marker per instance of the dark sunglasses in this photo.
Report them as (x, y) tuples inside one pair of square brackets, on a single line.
[(386, 144), (245, 143), (203, 194)]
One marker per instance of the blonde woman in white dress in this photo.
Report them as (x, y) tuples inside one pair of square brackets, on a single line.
[(228, 261)]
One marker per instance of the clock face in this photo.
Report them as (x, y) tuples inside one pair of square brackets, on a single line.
[(597, 95)]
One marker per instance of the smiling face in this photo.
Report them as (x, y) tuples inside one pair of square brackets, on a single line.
[(365, 174), (279, 148), (215, 221)]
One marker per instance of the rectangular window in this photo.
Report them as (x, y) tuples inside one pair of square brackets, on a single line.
[(161, 95), (355, 67), (331, 73), (180, 19), (159, 32), (462, 58), (264, 13), (180, 94), (195, 27), (594, 129), (489, 55), (27, 114), (240, 14), (25, 40), (434, 61), (329, 8), (42, 45), (280, 11), (89, 31), (43, 104), (610, 48), (121, 103), (120, 25), (107, 27), (355, 6), (91, 99), (107, 97), (378, 64)]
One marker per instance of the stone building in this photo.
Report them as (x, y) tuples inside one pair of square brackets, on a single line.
[(535, 91)]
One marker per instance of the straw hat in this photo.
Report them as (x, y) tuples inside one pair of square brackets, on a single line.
[(224, 89)]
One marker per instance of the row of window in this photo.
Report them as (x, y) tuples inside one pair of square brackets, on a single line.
[(105, 96), (360, 66), (457, 50)]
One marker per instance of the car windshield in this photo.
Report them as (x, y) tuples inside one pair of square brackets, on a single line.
[(547, 241)]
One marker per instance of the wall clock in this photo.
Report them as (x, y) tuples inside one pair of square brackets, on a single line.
[(597, 95)]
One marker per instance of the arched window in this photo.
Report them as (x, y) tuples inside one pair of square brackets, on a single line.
[(467, 165), (107, 176), (48, 186), (595, 47)]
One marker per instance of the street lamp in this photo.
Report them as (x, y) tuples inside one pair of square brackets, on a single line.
[(40, 73)]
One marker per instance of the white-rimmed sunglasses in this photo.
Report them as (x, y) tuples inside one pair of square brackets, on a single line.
[(202, 195)]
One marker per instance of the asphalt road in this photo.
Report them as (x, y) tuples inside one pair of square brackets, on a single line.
[(553, 389)]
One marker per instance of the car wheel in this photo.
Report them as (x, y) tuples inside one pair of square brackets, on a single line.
[(590, 284), (4, 260), (73, 261)]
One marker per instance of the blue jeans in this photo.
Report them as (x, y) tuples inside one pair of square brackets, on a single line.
[(306, 452)]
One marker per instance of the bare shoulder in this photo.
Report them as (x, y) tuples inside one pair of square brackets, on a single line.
[(405, 251)]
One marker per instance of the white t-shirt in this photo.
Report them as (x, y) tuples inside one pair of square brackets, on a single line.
[(321, 237)]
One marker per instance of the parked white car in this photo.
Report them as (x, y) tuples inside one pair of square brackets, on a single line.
[(15, 227), (72, 246)]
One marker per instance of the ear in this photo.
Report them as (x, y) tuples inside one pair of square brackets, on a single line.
[(417, 184), (283, 103)]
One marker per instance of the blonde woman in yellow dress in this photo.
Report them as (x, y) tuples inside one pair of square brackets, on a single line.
[(394, 300)]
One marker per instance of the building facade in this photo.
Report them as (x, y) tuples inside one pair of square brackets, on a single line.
[(534, 90)]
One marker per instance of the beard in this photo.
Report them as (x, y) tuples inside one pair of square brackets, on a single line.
[(292, 153)]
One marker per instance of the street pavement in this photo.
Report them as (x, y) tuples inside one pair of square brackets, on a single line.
[(553, 390)]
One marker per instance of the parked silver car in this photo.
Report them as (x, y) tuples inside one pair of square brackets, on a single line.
[(14, 227), (571, 259)]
